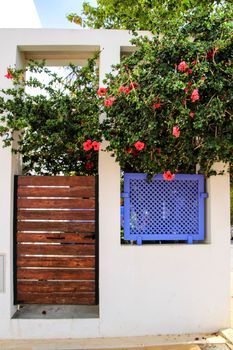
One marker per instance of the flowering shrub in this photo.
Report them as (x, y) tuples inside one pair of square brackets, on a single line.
[(169, 105), (59, 127)]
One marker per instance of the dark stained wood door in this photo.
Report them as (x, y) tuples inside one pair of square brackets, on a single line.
[(56, 235)]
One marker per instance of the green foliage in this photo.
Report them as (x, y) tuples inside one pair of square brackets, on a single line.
[(169, 105), (153, 15), (55, 123), (231, 205), (181, 116)]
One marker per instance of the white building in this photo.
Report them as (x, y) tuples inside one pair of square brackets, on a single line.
[(143, 290)]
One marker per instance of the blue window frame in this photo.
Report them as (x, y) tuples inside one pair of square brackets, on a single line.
[(161, 210)]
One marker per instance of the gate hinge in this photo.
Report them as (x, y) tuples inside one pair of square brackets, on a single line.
[(204, 195)]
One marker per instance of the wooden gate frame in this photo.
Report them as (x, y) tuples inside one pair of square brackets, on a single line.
[(96, 240)]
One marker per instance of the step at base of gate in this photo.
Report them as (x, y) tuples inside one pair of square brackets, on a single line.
[(57, 312)]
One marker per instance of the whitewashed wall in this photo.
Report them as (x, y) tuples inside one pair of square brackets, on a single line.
[(18, 14), (150, 289)]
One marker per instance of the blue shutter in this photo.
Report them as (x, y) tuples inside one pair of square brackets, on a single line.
[(164, 210)]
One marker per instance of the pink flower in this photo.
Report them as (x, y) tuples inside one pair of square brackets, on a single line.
[(182, 67), (186, 90), (203, 78), (87, 145), (167, 175), (109, 102), (191, 114), (96, 145), (194, 62), (176, 131), (189, 71), (156, 105), (89, 165), (195, 95), (139, 145), (190, 83), (102, 91), (8, 75)]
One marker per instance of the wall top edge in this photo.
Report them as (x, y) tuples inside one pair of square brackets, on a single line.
[(64, 37), (112, 31)]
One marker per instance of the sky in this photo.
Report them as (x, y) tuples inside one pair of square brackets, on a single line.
[(53, 13)]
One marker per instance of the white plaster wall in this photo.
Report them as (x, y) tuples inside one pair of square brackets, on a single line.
[(18, 14), (164, 289), (152, 289)]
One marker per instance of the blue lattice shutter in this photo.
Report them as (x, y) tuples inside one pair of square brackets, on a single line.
[(164, 210)]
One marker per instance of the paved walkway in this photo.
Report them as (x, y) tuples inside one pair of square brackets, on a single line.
[(184, 342)]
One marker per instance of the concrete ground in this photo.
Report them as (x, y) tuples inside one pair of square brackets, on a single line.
[(184, 342)]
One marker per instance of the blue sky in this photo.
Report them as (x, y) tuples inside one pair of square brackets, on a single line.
[(53, 12)]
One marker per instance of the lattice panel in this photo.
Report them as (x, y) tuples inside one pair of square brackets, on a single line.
[(164, 210)]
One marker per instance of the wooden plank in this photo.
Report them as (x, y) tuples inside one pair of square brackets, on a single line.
[(56, 226), (55, 274), (60, 249), (59, 298), (81, 191), (56, 203), (56, 214), (56, 238), (56, 180), (55, 286), (81, 262)]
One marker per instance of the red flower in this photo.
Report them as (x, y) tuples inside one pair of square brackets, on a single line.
[(109, 102), (203, 78), (186, 90), (139, 145), (127, 90), (195, 95), (182, 67), (190, 83), (89, 165), (183, 102), (88, 156), (129, 150), (210, 54), (132, 151), (191, 114), (87, 145), (96, 145), (124, 89), (158, 150), (189, 71), (194, 62), (176, 131), (8, 75), (133, 85), (156, 105), (102, 91), (167, 175)]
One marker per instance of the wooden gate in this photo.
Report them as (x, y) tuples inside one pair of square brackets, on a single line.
[(56, 240)]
